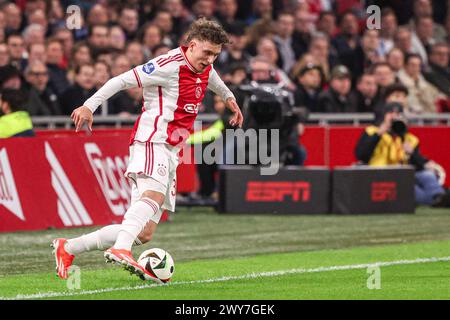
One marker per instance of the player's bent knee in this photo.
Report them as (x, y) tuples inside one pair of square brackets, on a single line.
[(154, 195)]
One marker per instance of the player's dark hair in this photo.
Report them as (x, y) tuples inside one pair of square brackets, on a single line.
[(207, 30)]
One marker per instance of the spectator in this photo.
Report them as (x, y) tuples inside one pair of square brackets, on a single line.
[(237, 75), (384, 145), (126, 103), (160, 49), (129, 21), (348, 38), (56, 15), (135, 53), (121, 64), (365, 95), (151, 36), (13, 17), (424, 9), (42, 100), (102, 74), (261, 28), (58, 78), (320, 49), (180, 16), (203, 8), (422, 37), (98, 39), (284, 40), (301, 36), (327, 24), (163, 20), (226, 13), (39, 17), (438, 72), (98, 15), (266, 48), (384, 76), (389, 26), (80, 91), (16, 48), (117, 38), (261, 9), (337, 98), (364, 55), (34, 33), (10, 77), (4, 55), (14, 122), (65, 36), (403, 40), (309, 81), (396, 59), (234, 51), (422, 94), (80, 54)]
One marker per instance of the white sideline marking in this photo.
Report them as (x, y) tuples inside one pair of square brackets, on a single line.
[(230, 278)]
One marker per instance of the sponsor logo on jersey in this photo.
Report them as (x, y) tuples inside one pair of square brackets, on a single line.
[(9, 197), (148, 68), (191, 108), (70, 208), (278, 191)]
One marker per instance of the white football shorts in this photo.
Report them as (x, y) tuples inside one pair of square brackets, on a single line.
[(153, 166)]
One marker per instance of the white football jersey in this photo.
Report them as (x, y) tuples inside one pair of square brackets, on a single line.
[(172, 94)]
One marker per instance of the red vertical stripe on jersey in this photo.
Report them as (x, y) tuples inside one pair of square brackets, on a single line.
[(146, 157), (160, 113), (153, 157), (137, 78)]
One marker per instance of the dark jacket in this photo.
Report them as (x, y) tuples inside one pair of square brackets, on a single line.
[(306, 99), (43, 103), (329, 101), (362, 103), (122, 102), (439, 77), (74, 97), (57, 79)]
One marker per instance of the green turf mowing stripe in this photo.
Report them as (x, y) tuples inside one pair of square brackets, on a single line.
[(234, 278)]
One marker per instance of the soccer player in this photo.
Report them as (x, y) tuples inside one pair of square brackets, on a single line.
[(173, 87)]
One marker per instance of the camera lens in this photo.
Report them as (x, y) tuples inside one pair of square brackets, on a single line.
[(399, 127)]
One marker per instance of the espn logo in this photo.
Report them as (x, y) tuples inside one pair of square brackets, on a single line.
[(278, 191), (384, 191)]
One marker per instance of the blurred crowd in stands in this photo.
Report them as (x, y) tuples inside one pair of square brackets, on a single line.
[(321, 50)]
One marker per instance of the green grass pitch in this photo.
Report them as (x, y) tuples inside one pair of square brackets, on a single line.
[(254, 257)]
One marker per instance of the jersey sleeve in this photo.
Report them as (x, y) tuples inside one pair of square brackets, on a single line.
[(218, 86), (151, 74), (147, 74)]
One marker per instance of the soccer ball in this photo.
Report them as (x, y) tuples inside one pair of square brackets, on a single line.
[(158, 262)]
